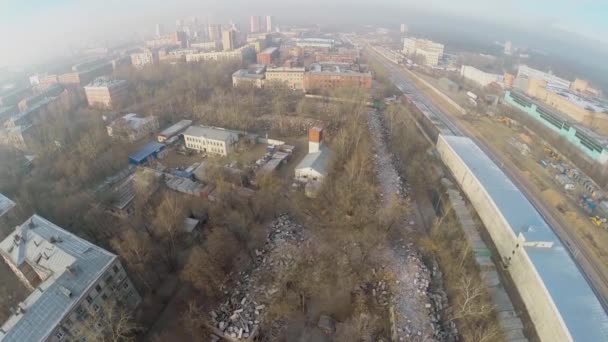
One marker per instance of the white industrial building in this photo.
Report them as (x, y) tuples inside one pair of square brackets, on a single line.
[(313, 166), (483, 79), (173, 130), (560, 302), (211, 140), (70, 279), (132, 127), (525, 74)]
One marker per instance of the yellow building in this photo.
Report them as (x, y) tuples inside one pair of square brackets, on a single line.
[(293, 78)]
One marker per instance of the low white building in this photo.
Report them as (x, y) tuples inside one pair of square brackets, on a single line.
[(211, 140), (313, 166), (482, 78), (132, 127)]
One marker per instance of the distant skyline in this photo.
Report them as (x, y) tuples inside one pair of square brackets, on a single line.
[(41, 28)]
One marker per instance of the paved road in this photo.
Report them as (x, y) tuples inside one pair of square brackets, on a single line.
[(586, 263)]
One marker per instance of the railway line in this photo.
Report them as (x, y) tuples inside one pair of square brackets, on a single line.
[(587, 265)]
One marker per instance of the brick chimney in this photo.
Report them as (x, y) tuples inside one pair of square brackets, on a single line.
[(315, 139)]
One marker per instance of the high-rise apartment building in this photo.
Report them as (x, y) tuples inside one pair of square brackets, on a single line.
[(269, 23), (160, 30), (255, 23), (215, 32), (508, 48), (229, 40), (403, 28), (71, 281)]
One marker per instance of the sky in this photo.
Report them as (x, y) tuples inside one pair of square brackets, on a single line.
[(41, 28)]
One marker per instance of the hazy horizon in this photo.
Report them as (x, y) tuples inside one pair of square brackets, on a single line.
[(40, 30)]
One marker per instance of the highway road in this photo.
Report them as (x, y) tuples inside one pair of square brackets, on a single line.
[(587, 264)]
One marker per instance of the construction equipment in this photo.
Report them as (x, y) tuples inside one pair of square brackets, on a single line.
[(598, 221), (552, 153)]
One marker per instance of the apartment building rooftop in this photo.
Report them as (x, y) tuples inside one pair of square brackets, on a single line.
[(245, 73), (335, 68), (61, 267), (105, 81)]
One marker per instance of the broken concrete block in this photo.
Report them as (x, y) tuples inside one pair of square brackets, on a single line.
[(327, 324)]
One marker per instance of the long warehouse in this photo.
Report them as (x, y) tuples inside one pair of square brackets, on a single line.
[(561, 303)]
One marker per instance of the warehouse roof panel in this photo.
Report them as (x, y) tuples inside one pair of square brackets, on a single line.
[(564, 281)]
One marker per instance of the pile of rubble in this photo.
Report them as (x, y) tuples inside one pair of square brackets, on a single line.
[(240, 315), (390, 181), (417, 306)]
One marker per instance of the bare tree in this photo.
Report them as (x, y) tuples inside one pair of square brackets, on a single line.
[(168, 225), (112, 323), (137, 249)]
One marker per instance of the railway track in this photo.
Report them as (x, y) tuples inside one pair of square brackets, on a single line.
[(593, 274)]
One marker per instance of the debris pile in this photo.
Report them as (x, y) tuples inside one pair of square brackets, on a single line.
[(411, 293), (240, 315)]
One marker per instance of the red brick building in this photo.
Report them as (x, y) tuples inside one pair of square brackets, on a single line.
[(268, 56), (331, 80)]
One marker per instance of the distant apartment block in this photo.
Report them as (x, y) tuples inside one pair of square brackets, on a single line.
[(269, 23), (106, 92), (70, 280), (132, 127), (342, 55), (85, 73), (315, 43), (237, 55), (430, 51), (293, 78), (268, 56), (255, 24), (331, 76), (215, 32), (206, 46), (229, 40), (211, 140), (178, 39), (146, 57)]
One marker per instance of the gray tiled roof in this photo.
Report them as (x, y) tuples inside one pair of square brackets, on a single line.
[(316, 161), (50, 250)]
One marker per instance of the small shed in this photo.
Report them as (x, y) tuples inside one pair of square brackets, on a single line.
[(151, 150)]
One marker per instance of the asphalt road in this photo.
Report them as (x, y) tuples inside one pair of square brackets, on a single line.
[(587, 264)]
